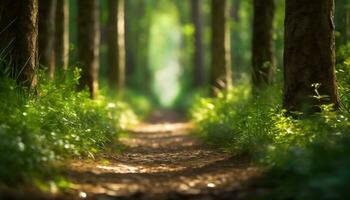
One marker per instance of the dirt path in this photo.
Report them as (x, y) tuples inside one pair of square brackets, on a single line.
[(163, 161)]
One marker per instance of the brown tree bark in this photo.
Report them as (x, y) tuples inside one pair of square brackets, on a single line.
[(62, 34), (116, 45), (221, 75), (47, 15), (18, 43), (263, 60), (197, 18), (309, 55), (89, 44)]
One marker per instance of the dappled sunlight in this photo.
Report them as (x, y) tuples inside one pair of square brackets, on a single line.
[(174, 99), (162, 158), (163, 127), (182, 184)]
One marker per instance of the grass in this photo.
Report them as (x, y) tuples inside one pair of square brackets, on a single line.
[(59, 123), (307, 157)]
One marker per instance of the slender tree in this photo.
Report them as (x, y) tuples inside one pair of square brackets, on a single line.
[(18, 43), (221, 77), (62, 34), (263, 60), (89, 44), (197, 18), (309, 55), (236, 36), (236, 5), (138, 22), (47, 15), (116, 45), (342, 21)]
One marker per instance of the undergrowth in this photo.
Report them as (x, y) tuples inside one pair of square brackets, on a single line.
[(307, 156), (58, 123)]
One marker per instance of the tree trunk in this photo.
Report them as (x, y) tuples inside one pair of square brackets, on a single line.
[(263, 60), (62, 34), (138, 23), (47, 14), (236, 32), (116, 45), (89, 44), (18, 44), (221, 77), (197, 18), (342, 21), (309, 55), (236, 5)]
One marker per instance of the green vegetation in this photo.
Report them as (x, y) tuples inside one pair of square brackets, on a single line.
[(306, 155), (58, 123), (260, 78)]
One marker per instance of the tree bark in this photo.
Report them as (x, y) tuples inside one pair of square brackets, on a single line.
[(236, 37), (197, 18), (236, 6), (47, 15), (138, 23), (62, 34), (116, 45), (221, 76), (309, 55), (18, 44), (342, 21), (89, 44), (263, 60)]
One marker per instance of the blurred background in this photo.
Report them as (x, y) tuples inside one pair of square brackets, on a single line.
[(159, 41)]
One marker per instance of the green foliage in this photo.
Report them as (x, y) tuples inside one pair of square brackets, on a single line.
[(139, 103), (58, 123), (237, 121), (307, 155), (343, 71)]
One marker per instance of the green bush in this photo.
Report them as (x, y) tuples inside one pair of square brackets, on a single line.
[(237, 121), (307, 155), (58, 123)]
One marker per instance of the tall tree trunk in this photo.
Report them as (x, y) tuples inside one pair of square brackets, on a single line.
[(62, 34), (138, 23), (18, 43), (116, 45), (47, 15), (309, 55), (236, 38), (221, 77), (89, 44), (197, 18), (342, 21), (236, 5), (263, 60)]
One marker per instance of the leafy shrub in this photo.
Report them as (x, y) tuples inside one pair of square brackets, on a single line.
[(343, 75), (58, 123), (307, 155), (237, 121)]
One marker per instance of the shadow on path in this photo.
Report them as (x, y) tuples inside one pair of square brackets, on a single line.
[(164, 161)]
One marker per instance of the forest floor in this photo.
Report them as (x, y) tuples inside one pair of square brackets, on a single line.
[(164, 160)]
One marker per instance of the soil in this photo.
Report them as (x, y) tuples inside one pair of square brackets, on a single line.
[(164, 160)]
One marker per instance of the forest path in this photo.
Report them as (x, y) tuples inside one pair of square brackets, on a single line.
[(164, 161)]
